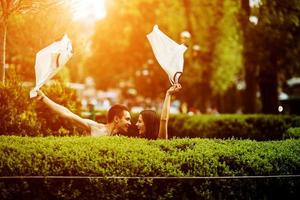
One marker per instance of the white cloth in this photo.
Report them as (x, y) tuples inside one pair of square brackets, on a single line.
[(50, 60), (168, 53)]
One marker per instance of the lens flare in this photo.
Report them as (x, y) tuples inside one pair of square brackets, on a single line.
[(88, 9)]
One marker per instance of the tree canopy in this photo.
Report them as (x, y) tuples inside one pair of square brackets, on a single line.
[(224, 49), (120, 48)]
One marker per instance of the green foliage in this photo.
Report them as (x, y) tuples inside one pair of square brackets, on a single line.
[(272, 48), (122, 156), (293, 133), (215, 68), (17, 114), (47, 23), (212, 27), (227, 60), (256, 127), (20, 115), (278, 35), (23, 116), (52, 124), (119, 156), (129, 48)]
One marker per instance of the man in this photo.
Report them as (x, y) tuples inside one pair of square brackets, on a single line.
[(118, 118)]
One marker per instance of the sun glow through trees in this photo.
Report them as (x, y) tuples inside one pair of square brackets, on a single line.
[(88, 9)]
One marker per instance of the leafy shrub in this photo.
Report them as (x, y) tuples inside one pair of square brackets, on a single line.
[(138, 157), (53, 124), (20, 115), (121, 156), (17, 115), (257, 127), (293, 133)]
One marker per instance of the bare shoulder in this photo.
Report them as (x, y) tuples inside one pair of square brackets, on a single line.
[(92, 123), (97, 129)]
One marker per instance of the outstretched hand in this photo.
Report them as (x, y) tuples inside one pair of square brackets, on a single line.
[(174, 88)]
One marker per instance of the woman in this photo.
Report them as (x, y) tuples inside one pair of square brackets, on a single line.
[(149, 125)]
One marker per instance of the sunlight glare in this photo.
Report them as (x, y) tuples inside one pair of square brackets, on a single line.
[(255, 3), (88, 9)]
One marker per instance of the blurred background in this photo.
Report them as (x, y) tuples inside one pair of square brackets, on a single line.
[(242, 57)]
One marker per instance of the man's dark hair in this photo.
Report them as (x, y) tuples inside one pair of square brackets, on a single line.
[(115, 110)]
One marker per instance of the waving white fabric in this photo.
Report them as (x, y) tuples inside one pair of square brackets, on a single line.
[(168, 53), (50, 60)]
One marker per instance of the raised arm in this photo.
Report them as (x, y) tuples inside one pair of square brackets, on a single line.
[(164, 117), (64, 112)]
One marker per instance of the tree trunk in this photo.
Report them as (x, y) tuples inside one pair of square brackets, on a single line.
[(268, 90), (250, 69), (250, 91), (187, 12), (4, 50)]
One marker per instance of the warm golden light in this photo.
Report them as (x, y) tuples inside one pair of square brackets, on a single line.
[(88, 9)]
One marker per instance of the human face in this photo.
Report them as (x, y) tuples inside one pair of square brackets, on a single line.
[(141, 126), (123, 123)]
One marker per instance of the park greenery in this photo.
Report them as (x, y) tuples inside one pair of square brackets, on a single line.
[(20, 115), (124, 157), (225, 48)]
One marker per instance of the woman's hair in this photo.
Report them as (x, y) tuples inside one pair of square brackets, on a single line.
[(151, 121)]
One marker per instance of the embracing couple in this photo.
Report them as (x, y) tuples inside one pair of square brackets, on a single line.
[(149, 125), (169, 55)]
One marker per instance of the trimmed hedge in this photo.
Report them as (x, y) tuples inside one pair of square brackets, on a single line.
[(256, 127), (121, 156), (127, 156), (293, 133)]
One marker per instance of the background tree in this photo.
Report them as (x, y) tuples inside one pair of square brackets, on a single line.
[(281, 36), (40, 28), (275, 47), (227, 58), (250, 68), (120, 49), (8, 8), (212, 68)]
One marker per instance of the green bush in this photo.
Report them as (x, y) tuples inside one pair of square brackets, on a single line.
[(257, 127), (52, 124), (20, 115), (17, 115), (293, 133), (121, 156), (138, 157)]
